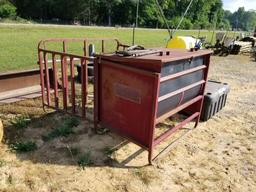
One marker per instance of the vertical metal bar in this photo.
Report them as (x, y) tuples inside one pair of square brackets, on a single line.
[(42, 79), (103, 46), (65, 68), (55, 79), (86, 83), (64, 46), (85, 48), (47, 79), (64, 83), (83, 86), (151, 136), (73, 93), (96, 94), (200, 103)]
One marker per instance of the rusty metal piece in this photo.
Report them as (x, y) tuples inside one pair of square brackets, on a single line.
[(18, 80)]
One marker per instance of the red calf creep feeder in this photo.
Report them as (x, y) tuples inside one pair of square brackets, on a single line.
[(135, 93), (132, 94)]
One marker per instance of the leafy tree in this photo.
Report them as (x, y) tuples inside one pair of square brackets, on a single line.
[(7, 9), (202, 14)]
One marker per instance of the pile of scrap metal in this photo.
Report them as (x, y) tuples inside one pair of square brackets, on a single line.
[(241, 47), (226, 45), (244, 46), (223, 45)]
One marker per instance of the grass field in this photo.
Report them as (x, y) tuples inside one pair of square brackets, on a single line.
[(18, 43)]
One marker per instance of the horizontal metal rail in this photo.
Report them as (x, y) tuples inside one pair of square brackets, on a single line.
[(65, 54), (176, 75), (172, 130), (178, 109), (167, 96)]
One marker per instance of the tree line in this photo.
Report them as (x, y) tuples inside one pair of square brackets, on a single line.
[(203, 14)]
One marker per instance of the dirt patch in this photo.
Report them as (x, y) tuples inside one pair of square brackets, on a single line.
[(217, 156)]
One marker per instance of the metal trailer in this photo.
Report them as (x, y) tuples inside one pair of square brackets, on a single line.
[(17, 86), (133, 94)]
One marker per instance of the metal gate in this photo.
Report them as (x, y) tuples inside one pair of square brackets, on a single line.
[(60, 86)]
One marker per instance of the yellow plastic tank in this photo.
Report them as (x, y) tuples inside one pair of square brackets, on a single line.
[(181, 42)]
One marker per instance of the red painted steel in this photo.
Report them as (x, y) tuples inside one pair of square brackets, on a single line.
[(127, 94), (66, 69), (55, 75)]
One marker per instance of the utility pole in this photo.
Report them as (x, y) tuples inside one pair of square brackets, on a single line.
[(136, 22)]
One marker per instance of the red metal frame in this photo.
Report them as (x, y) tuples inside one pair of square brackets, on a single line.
[(67, 63), (151, 76), (194, 106)]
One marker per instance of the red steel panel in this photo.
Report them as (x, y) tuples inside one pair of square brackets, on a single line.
[(125, 101), (127, 94)]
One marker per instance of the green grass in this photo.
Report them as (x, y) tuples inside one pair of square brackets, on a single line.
[(18, 43), (2, 163), (21, 122), (85, 160), (22, 147), (62, 130)]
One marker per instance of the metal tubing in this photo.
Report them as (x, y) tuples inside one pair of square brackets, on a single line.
[(47, 79), (64, 85), (55, 79), (102, 46), (83, 86), (85, 48), (174, 129), (207, 63), (64, 54), (167, 96), (176, 75), (73, 91), (96, 94), (176, 110), (153, 119), (42, 77)]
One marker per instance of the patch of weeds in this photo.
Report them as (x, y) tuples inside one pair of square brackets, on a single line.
[(62, 130), (2, 163), (84, 160), (21, 122), (71, 122), (22, 147), (73, 151), (109, 151), (10, 179)]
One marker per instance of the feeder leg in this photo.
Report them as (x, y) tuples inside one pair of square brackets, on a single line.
[(197, 121), (150, 155)]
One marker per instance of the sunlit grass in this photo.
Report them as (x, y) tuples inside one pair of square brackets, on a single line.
[(18, 43)]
